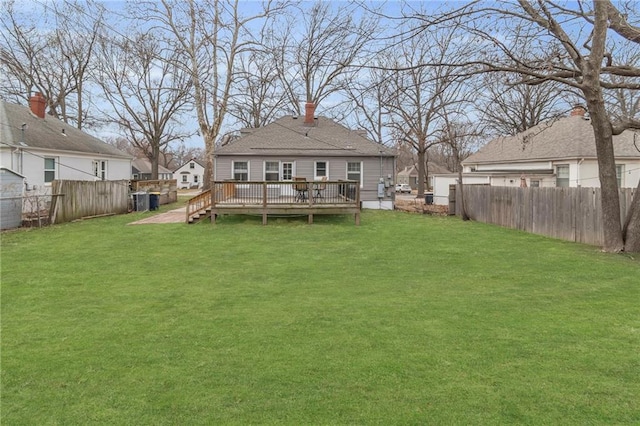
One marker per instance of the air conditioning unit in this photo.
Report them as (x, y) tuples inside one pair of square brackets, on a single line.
[(140, 201)]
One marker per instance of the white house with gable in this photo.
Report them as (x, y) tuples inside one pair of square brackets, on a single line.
[(43, 149), (190, 175)]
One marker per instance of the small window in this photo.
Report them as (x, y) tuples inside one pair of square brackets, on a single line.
[(50, 168), (535, 183), (562, 176), (241, 170), (184, 178), (620, 174), (195, 178), (100, 169), (192, 165), (271, 171), (354, 171), (321, 169)]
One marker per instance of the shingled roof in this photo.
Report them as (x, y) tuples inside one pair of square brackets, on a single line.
[(289, 136), (48, 133), (564, 138)]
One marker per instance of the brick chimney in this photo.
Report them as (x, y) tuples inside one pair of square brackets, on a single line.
[(37, 103), (309, 113), (578, 111)]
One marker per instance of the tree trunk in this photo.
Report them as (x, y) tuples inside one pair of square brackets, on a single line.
[(421, 156), (155, 157), (631, 231), (610, 201), (209, 172)]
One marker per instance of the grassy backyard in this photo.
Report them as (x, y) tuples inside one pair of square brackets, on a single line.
[(407, 319)]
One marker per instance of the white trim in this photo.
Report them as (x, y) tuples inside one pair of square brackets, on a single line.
[(346, 167), (233, 169), (264, 169), (315, 169), (55, 169)]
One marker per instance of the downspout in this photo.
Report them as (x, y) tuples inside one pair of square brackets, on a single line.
[(578, 183)]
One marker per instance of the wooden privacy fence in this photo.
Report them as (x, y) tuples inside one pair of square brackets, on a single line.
[(80, 199), (572, 214)]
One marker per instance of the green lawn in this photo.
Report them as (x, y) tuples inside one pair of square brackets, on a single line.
[(406, 319)]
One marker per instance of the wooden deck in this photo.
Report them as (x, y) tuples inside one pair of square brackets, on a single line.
[(277, 198)]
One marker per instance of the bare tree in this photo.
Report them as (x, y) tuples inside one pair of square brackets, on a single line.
[(583, 61), (417, 95), (572, 44), (211, 34), (52, 56), (257, 97), (367, 95), (508, 109), (314, 61), (146, 91)]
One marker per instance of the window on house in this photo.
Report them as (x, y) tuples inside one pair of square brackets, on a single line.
[(562, 175), (241, 170), (184, 178), (321, 169), (192, 165), (195, 178), (287, 171), (620, 174), (100, 169), (50, 168), (535, 183), (354, 171), (271, 171)]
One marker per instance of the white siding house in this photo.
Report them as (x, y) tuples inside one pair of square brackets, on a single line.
[(189, 175), (42, 149), (556, 153)]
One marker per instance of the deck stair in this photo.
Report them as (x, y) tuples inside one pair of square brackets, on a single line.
[(199, 207)]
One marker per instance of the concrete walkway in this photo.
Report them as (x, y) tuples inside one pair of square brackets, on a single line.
[(172, 216)]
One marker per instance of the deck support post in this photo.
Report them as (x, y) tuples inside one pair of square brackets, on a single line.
[(310, 219)]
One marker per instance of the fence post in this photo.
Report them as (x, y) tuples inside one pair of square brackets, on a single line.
[(452, 199)]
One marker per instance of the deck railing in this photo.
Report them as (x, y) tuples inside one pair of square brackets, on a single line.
[(199, 203), (299, 193)]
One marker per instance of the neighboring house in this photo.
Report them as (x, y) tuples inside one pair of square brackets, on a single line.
[(556, 153), (141, 170), (189, 175), (312, 148), (42, 149), (410, 174)]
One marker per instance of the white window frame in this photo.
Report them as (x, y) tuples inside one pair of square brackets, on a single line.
[(568, 178), (282, 173), (185, 179), (233, 170), (100, 169), (271, 172), (360, 172), (192, 165), (315, 170), (54, 170), (195, 179)]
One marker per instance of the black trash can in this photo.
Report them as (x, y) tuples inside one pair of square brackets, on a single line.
[(428, 198), (154, 200)]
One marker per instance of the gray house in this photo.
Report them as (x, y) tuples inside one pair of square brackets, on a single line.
[(313, 148)]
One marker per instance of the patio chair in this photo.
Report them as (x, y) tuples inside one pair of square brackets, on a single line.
[(319, 188), (301, 188)]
